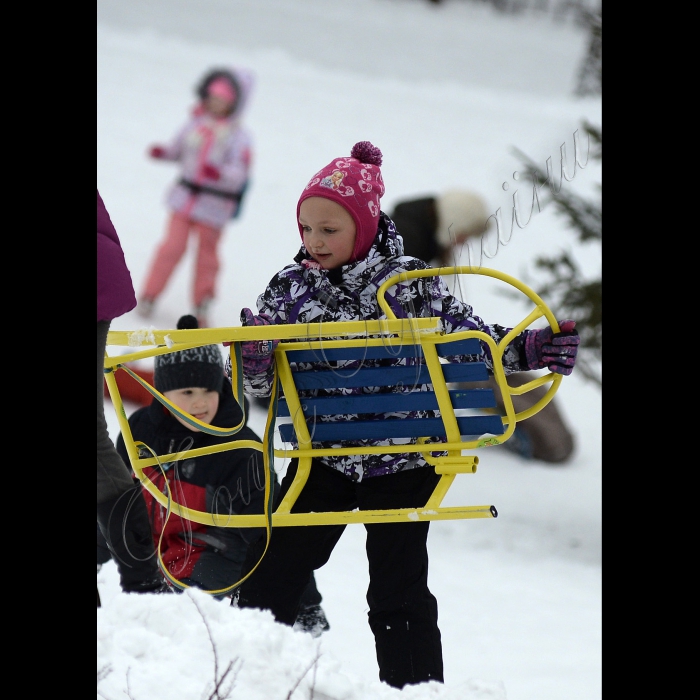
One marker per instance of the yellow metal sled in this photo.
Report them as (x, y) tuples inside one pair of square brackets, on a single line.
[(468, 418)]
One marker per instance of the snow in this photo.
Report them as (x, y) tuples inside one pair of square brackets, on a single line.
[(446, 92)]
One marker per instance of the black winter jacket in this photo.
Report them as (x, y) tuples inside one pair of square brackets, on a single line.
[(224, 482)]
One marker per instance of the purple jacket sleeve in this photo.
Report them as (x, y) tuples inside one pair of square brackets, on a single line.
[(115, 290)]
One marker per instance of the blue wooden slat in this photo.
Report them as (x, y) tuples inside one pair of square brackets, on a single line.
[(473, 398), (381, 352), (387, 376), (386, 403), (399, 428), (470, 346)]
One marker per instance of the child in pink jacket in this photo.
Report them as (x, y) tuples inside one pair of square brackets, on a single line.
[(214, 154)]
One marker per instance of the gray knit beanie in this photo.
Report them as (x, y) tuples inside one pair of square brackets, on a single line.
[(197, 367)]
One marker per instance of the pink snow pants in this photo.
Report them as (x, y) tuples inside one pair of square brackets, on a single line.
[(171, 250)]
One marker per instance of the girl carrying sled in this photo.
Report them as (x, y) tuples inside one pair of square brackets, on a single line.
[(349, 248)]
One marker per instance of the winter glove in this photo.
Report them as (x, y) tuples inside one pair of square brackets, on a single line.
[(556, 351), (211, 171), (156, 152), (257, 355)]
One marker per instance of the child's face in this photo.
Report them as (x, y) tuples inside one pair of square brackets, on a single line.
[(198, 402), (329, 231), (216, 105)]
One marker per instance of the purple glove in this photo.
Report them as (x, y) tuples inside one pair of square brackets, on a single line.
[(257, 355), (156, 152), (211, 171), (556, 351)]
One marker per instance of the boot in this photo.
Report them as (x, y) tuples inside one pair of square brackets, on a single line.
[(125, 525), (201, 313), (145, 307), (313, 620)]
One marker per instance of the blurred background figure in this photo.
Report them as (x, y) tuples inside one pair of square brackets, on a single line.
[(214, 152), (435, 229)]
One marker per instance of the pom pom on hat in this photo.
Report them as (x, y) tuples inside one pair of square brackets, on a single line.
[(201, 367), (356, 184), (187, 322), (365, 152)]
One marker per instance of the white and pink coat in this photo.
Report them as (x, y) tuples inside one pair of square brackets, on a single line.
[(221, 142)]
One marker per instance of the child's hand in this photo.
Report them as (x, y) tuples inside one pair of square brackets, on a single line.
[(556, 351), (257, 355), (156, 152), (211, 171)]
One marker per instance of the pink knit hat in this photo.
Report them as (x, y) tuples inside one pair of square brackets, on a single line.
[(222, 88), (356, 184)]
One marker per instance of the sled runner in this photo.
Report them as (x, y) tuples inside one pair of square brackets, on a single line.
[(468, 421)]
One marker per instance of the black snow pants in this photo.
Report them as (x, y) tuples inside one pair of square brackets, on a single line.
[(403, 613)]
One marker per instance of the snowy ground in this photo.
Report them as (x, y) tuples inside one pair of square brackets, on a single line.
[(446, 92)]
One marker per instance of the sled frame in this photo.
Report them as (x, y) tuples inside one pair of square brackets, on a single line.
[(423, 336)]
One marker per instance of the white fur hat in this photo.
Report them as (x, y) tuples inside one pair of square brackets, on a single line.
[(460, 214)]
